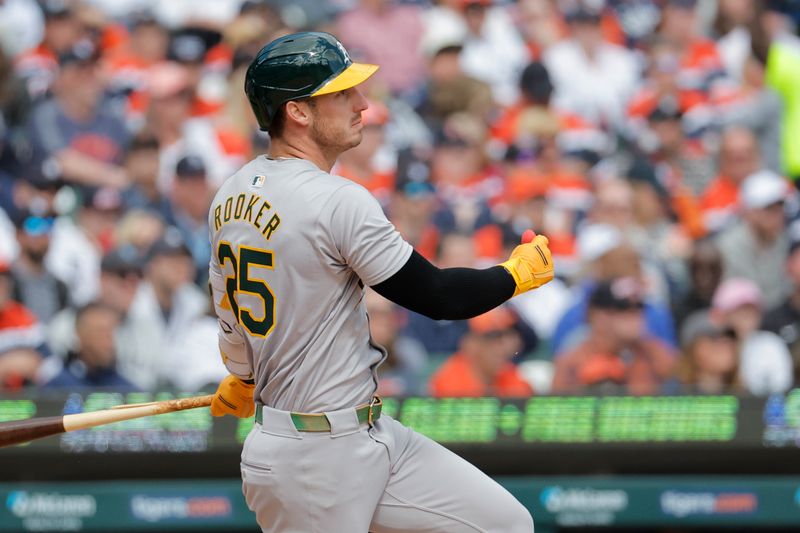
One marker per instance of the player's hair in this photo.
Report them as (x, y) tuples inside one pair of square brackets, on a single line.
[(278, 123)]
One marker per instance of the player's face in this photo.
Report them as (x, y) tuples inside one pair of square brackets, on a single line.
[(336, 119)]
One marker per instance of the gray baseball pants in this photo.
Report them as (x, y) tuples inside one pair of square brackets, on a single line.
[(355, 479)]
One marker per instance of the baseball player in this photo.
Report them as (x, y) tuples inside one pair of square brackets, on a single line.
[(293, 249)]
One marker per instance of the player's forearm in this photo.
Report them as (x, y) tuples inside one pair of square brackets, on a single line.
[(447, 294)]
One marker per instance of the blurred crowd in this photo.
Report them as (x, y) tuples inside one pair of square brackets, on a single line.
[(656, 143)]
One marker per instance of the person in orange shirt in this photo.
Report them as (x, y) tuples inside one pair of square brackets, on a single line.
[(21, 338), (616, 353), (739, 157), (483, 366), (361, 165)]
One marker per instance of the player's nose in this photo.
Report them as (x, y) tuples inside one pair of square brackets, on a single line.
[(359, 100)]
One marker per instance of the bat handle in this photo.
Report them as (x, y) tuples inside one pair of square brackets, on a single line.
[(19, 431)]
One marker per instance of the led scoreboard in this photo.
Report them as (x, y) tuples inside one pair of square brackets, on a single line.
[(503, 435)]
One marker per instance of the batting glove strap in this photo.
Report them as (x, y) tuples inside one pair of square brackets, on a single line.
[(531, 265)]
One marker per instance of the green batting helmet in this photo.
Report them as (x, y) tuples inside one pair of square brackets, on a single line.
[(296, 66)]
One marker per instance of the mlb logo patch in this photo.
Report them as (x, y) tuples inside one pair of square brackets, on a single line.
[(258, 181)]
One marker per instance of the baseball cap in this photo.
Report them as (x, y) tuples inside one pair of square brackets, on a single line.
[(34, 225), (700, 324), (596, 240), (582, 14), (418, 189), (498, 319), (535, 82), (187, 48), (171, 243), (190, 166), (56, 8), (666, 110), (761, 189), (734, 293), (121, 261), (82, 52), (619, 294)]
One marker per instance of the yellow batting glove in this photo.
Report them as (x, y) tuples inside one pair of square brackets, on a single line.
[(531, 263), (233, 397)]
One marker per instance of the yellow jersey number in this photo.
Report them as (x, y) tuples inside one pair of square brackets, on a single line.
[(242, 282)]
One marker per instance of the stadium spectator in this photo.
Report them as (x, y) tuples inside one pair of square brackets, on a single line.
[(21, 26), (617, 351), (142, 167), (388, 34), (450, 90), (731, 28), (754, 105), (756, 248), (77, 246), (139, 229), (367, 164), (414, 211), (194, 362), (705, 274), (765, 365), (401, 373), (709, 362), (592, 77), (120, 275), (35, 286), (700, 63), (93, 363), (775, 46), (482, 366), (165, 306), (605, 255), (491, 34), (128, 64), (442, 336), (738, 158), (169, 119), (79, 135), (466, 182), (38, 66), (21, 338), (191, 197), (784, 319)]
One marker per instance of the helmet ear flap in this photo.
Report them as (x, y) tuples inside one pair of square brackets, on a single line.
[(260, 103)]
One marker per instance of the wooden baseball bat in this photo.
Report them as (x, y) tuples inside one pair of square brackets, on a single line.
[(19, 431)]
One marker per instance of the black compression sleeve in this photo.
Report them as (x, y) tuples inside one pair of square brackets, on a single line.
[(450, 293)]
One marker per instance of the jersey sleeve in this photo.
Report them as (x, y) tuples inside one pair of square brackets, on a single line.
[(232, 346), (368, 243)]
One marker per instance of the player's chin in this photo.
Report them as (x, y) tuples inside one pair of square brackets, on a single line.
[(355, 139)]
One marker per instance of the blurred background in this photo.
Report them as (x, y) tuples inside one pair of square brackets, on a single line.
[(649, 387)]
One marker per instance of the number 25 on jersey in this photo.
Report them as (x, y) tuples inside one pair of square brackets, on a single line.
[(241, 282)]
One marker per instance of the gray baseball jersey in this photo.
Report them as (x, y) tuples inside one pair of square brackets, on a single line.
[(292, 248)]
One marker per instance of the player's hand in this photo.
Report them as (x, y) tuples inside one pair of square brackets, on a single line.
[(531, 263), (233, 397)]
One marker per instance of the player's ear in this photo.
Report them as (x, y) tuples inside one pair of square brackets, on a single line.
[(298, 112)]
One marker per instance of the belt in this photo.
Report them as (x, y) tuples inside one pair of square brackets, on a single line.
[(369, 413)]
